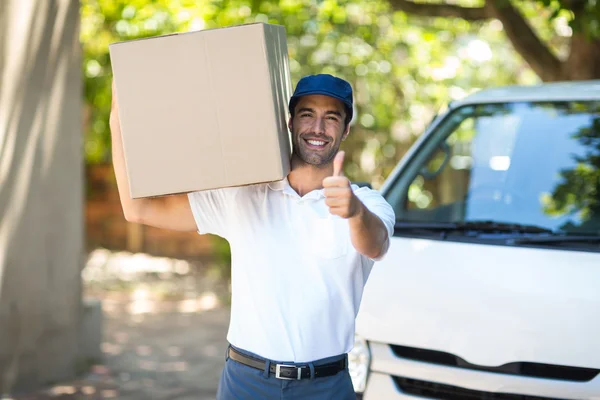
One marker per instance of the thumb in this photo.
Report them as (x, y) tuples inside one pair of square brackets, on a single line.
[(338, 163)]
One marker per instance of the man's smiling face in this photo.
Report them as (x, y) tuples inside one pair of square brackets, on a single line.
[(318, 128)]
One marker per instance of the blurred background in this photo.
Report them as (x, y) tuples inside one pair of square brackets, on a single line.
[(94, 307)]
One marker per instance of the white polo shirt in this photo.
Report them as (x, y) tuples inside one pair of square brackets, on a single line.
[(297, 281)]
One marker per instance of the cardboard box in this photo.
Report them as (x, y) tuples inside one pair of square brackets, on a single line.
[(204, 110)]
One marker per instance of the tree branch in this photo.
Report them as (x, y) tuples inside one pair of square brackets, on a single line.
[(535, 52), (573, 4), (525, 41), (441, 10)]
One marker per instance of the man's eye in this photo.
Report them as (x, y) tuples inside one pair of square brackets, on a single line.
[(305, 115), (334, 119)]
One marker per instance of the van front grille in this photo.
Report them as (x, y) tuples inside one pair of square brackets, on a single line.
[(528, 369), (446, 392)]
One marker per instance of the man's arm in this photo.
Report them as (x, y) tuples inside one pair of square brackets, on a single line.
[(169, 212), (367, 232)]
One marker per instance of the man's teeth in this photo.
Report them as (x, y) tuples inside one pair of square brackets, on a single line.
[(316, 142)]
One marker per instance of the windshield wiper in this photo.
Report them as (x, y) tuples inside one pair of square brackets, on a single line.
[(557, 239), (466, 226)]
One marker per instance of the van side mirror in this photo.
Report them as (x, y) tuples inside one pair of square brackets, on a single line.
[(435, 165)]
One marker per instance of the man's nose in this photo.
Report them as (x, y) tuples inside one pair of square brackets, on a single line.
[(319, 125)]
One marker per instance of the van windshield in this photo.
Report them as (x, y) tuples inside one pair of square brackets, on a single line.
[(534, 164)]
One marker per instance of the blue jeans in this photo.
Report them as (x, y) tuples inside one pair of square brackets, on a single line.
[(241, 382)]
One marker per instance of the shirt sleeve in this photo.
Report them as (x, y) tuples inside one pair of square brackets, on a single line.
[(210, 209), (375, 202)]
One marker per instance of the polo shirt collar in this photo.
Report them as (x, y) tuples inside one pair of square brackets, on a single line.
[(284, 186)]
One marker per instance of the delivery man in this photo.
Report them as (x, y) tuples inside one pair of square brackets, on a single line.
[(302, 249)]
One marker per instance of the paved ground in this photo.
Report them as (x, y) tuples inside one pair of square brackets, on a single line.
[(166, 355), (156, 346)]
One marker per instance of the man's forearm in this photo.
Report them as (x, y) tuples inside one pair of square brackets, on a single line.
[(367, 232)]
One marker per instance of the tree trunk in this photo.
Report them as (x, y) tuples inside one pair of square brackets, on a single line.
[(41, 193), (584, 59)]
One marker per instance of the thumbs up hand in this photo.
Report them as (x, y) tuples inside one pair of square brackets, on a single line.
[(339, 196)]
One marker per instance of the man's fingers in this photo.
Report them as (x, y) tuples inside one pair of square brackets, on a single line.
[(338, 164), (336, 181), (336, 191), (339, 211), (337, 201)]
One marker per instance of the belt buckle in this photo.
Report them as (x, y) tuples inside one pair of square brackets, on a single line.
[(278, 372)]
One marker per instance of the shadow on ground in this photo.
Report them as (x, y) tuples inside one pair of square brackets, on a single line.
[(164, 332)]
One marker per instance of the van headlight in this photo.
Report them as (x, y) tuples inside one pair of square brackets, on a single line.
[(359, 359)]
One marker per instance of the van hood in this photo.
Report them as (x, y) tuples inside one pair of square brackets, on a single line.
[(489, 305)]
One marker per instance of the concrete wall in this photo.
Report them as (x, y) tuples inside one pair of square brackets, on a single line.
[(41, 192)]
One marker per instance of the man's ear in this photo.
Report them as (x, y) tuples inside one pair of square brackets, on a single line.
[(346, 132), (290, 124)]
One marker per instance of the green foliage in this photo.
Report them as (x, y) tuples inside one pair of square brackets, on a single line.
[(403, 70), (588, 15), (579, 189)]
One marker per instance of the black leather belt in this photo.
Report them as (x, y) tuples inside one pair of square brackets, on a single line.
[(284, 371)]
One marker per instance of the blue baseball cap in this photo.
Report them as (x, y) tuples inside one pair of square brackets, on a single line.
[(326, 85)]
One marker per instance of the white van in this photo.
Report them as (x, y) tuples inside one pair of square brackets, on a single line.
[(491, 288)]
